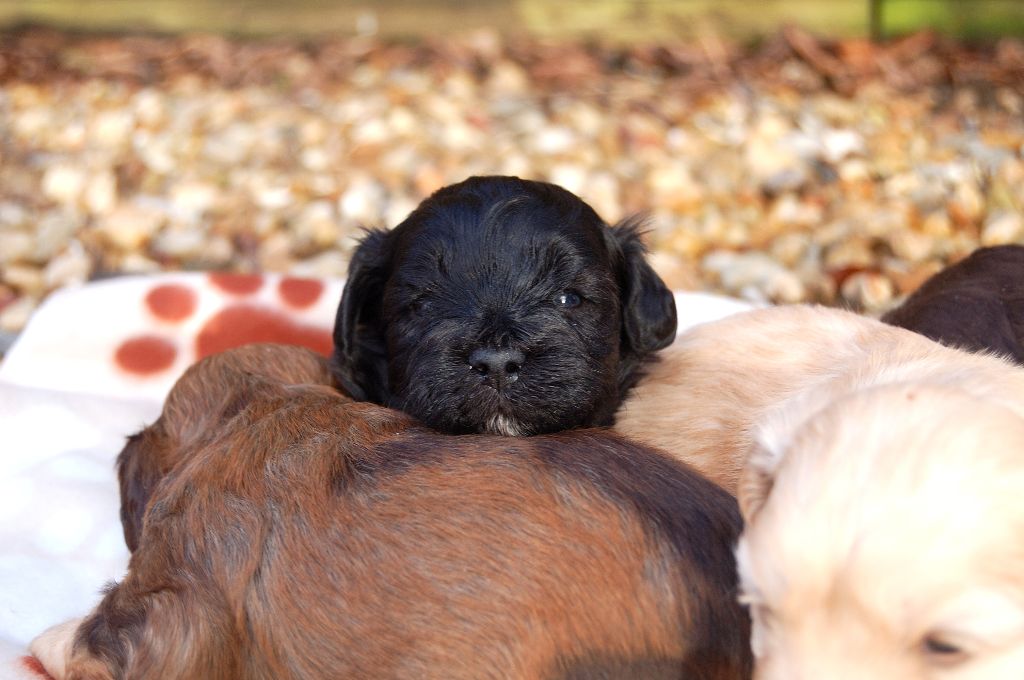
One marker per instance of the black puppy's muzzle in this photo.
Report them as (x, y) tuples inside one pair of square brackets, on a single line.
[(497, 368)]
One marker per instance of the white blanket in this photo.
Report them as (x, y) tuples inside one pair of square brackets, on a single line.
[(92, 367)]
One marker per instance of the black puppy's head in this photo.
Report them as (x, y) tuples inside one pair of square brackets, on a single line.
[(500, 305)]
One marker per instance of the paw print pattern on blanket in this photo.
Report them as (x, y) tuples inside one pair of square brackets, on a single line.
[(133, 336), (238, 323)]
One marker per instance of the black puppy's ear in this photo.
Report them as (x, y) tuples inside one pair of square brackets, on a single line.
[(648, 306), (359, 361)]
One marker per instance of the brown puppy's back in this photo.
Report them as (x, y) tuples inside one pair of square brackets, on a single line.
[(317, 537)]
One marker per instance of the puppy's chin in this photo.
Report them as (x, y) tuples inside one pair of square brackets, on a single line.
[(485, 411), (505, 426)]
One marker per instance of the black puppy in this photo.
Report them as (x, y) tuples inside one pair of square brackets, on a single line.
[(501, 305), (976, 304)]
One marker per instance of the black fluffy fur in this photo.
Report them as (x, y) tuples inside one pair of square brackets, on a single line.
[(482, 264), (976, 304)]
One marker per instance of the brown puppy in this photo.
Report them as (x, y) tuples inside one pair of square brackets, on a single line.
[(976, 304), (702, 400), (298, 534)]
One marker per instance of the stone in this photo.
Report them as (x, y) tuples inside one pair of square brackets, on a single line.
[(15, 246), (328, 264), (15, 316), (937, 224), (855, 252), (967, 205), (910, 245), (854, 170), (64, 183), (53, 233), (275, 198), (744, 273), (24, 278), (908, 280), (363, 201), (837, 145), (70, 268), (677, 273), (785, 287), (191, 199), (136, 263), (673, 187), (554, 139), (789, 248), (789, 211), (570, 176), (111, 128), (868, 291), (507, 79), (316, 225), (180, 241), (101, 192), (129, 227), (276, 253), (601, 191), (1003, 228)]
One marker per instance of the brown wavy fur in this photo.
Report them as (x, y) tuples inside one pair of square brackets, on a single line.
[(293, 533)]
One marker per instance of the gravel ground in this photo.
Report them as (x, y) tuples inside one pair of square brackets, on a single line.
[(797, 170)]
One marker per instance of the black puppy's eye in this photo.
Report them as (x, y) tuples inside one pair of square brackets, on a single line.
[(568, 300)]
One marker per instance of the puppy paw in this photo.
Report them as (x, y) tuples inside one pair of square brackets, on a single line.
[(52, 647), (34, 668)]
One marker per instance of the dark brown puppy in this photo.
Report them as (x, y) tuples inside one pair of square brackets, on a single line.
[(976, 304), (299, 534)]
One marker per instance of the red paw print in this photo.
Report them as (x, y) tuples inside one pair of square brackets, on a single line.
[(241, 321)]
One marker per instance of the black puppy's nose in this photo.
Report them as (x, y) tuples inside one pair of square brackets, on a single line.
[(499, 367)]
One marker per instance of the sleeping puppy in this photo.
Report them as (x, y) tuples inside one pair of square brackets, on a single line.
[(304, 535), (500, 305), (976, 304), (883, 535), (879, 474)]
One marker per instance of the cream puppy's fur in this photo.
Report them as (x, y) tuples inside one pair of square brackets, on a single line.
[(881, 477), (884, 538), (703, 397)]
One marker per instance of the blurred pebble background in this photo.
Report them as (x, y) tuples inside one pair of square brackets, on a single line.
[(789, 168)]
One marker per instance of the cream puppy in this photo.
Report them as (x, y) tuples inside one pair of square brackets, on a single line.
[(881, 478), (703, 397), (883, 537)]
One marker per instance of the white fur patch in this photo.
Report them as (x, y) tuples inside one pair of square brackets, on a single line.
[(53, 647), (504, 426)]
